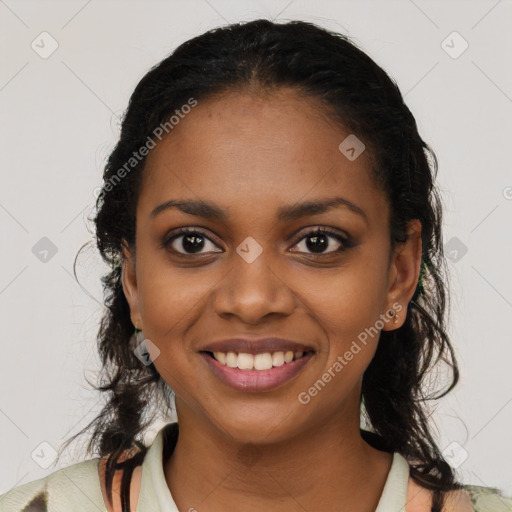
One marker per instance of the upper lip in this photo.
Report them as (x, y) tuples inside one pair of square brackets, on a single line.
[(256, 346)]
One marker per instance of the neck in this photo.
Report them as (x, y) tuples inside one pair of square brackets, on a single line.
[(325, 467)]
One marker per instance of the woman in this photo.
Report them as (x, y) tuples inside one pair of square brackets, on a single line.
[(274, 234)]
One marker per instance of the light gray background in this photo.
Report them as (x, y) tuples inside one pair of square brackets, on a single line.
[(60, 120)]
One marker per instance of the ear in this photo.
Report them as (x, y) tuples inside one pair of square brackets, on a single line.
[(129, 282), (404, 274)]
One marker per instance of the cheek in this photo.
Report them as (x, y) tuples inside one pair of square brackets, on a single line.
[(169, 303), (347, 305), (169, 295), (346, 302)]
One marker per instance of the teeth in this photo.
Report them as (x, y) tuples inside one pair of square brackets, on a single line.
[(277, 359), (264, 361), (231, 359), (245, 361), (221, 357)]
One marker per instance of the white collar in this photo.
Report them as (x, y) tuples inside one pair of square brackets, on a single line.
[(155, 494)]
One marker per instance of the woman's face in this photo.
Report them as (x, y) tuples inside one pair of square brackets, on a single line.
[(253, 269)]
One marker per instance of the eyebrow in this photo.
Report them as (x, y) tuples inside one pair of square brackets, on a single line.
[(210, 210)]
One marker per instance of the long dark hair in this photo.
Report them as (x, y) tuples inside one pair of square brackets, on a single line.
[(263, 55)]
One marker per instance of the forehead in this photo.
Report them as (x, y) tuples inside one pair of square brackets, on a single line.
[(240, 149)]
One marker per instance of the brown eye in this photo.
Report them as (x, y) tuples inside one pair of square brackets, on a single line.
[(320, 240), (190, 242)]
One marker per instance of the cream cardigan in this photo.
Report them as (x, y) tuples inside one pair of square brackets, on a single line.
[(78, 488)]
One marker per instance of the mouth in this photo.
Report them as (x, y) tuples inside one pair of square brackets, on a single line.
[(256, 372), (260, 362)]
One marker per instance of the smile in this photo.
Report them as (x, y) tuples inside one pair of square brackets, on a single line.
[(256, 372)]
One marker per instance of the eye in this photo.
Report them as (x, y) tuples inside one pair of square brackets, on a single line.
[(189, 242), (319, 240)]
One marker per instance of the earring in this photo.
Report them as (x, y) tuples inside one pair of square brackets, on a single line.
[(137, 338), (395, 315)]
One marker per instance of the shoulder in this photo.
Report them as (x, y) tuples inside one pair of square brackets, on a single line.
[(468, 499), (419, 499), (76, 487), (458, 501), (488, 499), (135, 483)]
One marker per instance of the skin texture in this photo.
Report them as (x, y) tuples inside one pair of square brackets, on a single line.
[(251, 154)]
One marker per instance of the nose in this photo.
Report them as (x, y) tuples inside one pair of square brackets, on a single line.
[(253, 291)]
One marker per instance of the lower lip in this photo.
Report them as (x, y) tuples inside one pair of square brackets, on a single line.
[(256, 380)]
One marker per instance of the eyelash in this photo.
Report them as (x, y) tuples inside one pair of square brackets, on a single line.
[(346, 241)]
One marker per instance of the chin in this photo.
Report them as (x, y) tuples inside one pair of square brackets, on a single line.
[(259, 428)]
